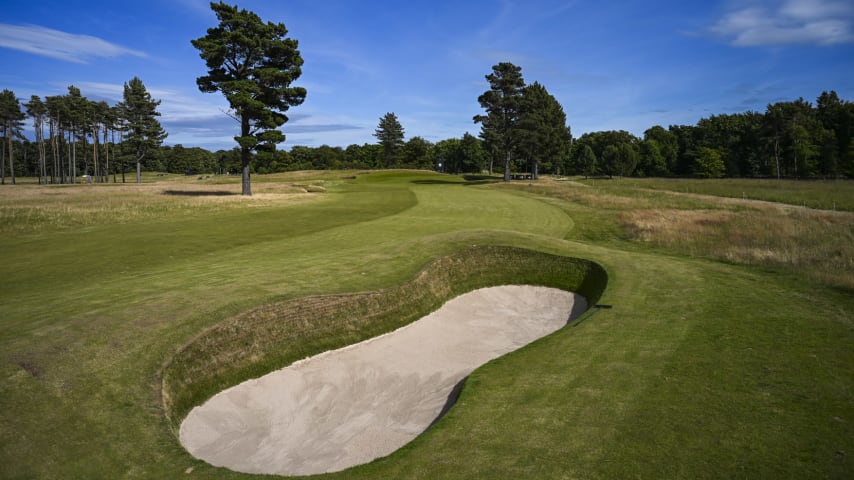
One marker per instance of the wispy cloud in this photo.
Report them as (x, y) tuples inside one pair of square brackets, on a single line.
[(813, 22), (332, 127), (66, 46)]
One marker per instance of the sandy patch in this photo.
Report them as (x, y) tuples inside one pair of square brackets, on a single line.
[(350, 406)]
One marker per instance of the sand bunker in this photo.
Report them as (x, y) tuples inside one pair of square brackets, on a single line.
[(350, 406)]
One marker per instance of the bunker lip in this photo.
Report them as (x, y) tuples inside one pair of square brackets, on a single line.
[(349, 406)]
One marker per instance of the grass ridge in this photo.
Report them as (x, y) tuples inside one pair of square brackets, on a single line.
[(269, 337)]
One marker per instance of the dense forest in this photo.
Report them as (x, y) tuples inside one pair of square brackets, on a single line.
[(76, 139), (793, 139)]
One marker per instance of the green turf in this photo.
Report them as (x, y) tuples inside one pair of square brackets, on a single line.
[(701, 370)]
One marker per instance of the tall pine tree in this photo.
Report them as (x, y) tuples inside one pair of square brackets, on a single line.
[(503, 103), (139, 111), (390, 135), (543, 134), (11, 117), (253, 64)]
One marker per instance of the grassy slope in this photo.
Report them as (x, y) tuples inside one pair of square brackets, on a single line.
[(700, 370)]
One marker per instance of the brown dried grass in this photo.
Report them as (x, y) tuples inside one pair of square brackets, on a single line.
[(29, 209), (817, 243)]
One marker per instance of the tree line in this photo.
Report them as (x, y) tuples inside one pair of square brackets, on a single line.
[(793, 139), (83, 135), (523, 129)]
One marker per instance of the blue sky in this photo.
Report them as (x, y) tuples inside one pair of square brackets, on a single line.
[(613, 65)]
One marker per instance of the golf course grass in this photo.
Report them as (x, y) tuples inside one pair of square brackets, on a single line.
[(708, 365)]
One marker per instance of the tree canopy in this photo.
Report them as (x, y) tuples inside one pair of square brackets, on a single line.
[(253, 64), (144, 132), (503, 104), (541, 128), (11, 120), (389, 132)]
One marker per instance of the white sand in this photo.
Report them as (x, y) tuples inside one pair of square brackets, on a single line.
[(350, 406)]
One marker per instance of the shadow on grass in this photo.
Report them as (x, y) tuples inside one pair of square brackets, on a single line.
[(467, 180), (198, 193), (451, 400)]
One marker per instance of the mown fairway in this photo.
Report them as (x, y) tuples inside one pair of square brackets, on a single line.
[(703, 369)]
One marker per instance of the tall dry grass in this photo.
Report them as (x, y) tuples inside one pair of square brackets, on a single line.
[(819, 244), (816, 243), (27, 209)]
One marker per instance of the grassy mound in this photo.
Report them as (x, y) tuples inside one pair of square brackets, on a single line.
[(272, 336)]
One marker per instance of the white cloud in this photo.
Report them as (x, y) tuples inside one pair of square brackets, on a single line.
[(814, 22), (58, 44)]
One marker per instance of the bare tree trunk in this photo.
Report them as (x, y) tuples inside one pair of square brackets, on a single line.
[(113, 135), (59, 165), (777, 154), (74, 158), (9, 136), (3, 159), (68, 176), (85, 170), (507, 166), (40, 140), (246, 158), (121, 142), (96, 173), (54, 151), (106, 176), (139, 167)]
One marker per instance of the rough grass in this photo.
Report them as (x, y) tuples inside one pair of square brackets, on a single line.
[(816, 194), (702, 368), (27, 209), (818, 244)]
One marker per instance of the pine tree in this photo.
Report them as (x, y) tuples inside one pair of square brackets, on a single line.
[(253, 64), (543, 134), (38, 111), (390, 135), (502, 103), (144, 132), (11, 118)]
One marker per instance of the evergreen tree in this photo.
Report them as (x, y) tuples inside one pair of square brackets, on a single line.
[(38, 111), (472, 154), (543, 134), (253, 64), (837, 117), (144, 133), (503, 103), (390, 136), (75, 105), (11, 118), (586, 161)]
